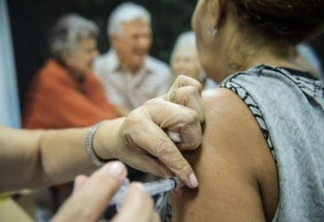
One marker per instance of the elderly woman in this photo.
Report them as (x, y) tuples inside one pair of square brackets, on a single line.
[(65, 93), (185, 60)]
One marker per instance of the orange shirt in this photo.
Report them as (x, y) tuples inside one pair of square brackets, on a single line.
[(55, 100)]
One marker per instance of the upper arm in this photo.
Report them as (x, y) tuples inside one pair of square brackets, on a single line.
[(236, 172)]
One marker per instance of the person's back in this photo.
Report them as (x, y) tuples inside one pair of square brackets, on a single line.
[(291, 122), (130, 76), (262, 152), (291, 119)]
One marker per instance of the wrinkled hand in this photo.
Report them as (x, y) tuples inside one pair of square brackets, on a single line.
[(91, 196), (143, 132)]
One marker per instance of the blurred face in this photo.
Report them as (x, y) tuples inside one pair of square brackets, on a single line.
[(133, 44), (185, 61), (82, 59)]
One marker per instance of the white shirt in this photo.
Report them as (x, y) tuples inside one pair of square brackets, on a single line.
[(132, 90)]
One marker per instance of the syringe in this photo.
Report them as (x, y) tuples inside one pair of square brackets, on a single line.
[(152, 188)]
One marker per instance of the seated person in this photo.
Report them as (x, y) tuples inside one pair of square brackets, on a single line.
[(130, 75), (262, 153), (185, 60), (65, 93)]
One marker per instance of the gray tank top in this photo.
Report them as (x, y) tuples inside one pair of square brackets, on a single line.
[(289, 108)]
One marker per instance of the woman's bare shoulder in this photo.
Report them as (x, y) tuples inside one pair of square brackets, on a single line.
[(234, 166)]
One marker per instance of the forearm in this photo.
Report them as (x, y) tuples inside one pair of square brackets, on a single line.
[(61, 156), (30, 159)]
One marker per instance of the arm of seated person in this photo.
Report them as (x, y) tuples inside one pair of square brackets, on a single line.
[(237, 175)]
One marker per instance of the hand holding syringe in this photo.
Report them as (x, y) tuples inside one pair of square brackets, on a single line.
[(152, 188)]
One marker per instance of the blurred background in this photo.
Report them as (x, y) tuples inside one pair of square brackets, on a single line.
[(31, 20)]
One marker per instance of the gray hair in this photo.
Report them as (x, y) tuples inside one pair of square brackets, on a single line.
[(185, 40), (125, 13), (68, 31)]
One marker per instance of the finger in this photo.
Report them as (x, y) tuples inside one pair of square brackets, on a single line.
[(146, 162), (92, 199), (160, 145), (187, 96), (173, 115), (183, 80), (186, 123), (166, 151), (102, 186), (138, 205), (79, 182), (191, 137)]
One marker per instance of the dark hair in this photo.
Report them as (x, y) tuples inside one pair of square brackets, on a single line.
[(292, 21)]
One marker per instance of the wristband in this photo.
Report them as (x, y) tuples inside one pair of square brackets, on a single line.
[(95, 159)]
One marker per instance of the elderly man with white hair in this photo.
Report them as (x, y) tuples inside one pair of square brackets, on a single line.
[(130, 76)]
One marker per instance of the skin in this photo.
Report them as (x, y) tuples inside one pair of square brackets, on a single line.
[(237, 173), (98, 189), (81, 60), (46, 157), (132, 46)]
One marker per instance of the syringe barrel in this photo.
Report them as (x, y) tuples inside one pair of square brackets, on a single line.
[(160, 186), (152, 188)]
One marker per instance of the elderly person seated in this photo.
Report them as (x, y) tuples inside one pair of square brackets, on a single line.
[(65, 93), (130, 75), (184, 60)]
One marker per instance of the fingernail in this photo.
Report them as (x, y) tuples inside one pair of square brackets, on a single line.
[(193, 180), (115, 168)]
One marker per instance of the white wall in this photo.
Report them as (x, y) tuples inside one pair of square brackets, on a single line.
[(9, 103)]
